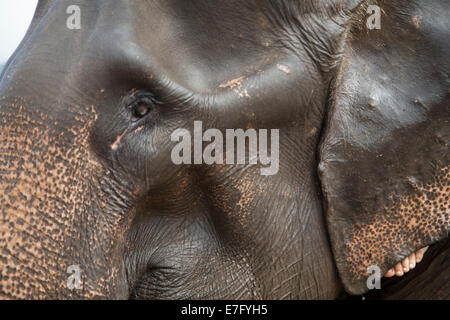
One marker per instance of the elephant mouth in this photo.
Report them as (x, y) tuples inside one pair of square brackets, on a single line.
[(407, 264)]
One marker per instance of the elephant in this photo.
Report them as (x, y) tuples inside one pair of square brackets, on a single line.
[(94, 207)]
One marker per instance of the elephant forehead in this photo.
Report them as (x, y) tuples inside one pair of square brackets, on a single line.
[(204, 46)]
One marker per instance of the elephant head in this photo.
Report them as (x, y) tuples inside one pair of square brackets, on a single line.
[(87, 181)]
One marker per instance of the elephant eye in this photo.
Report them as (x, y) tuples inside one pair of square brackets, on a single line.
[(140, 109)]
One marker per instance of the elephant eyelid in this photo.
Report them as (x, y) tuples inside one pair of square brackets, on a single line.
[(162, 98)]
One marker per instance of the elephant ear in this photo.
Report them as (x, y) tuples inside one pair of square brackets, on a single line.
[(384, 154)]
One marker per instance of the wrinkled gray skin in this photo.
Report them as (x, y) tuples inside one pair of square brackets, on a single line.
[(86, 181)]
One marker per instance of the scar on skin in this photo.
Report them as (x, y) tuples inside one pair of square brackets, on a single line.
[(236, 86), (232, 83), (283, 68), (116, 143)]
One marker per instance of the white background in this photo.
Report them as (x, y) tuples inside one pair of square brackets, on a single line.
[(15, 17)]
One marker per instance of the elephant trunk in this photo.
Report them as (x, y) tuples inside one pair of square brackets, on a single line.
[(62, 219)]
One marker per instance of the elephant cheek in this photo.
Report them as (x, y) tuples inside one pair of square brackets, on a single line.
[(56, 214)]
